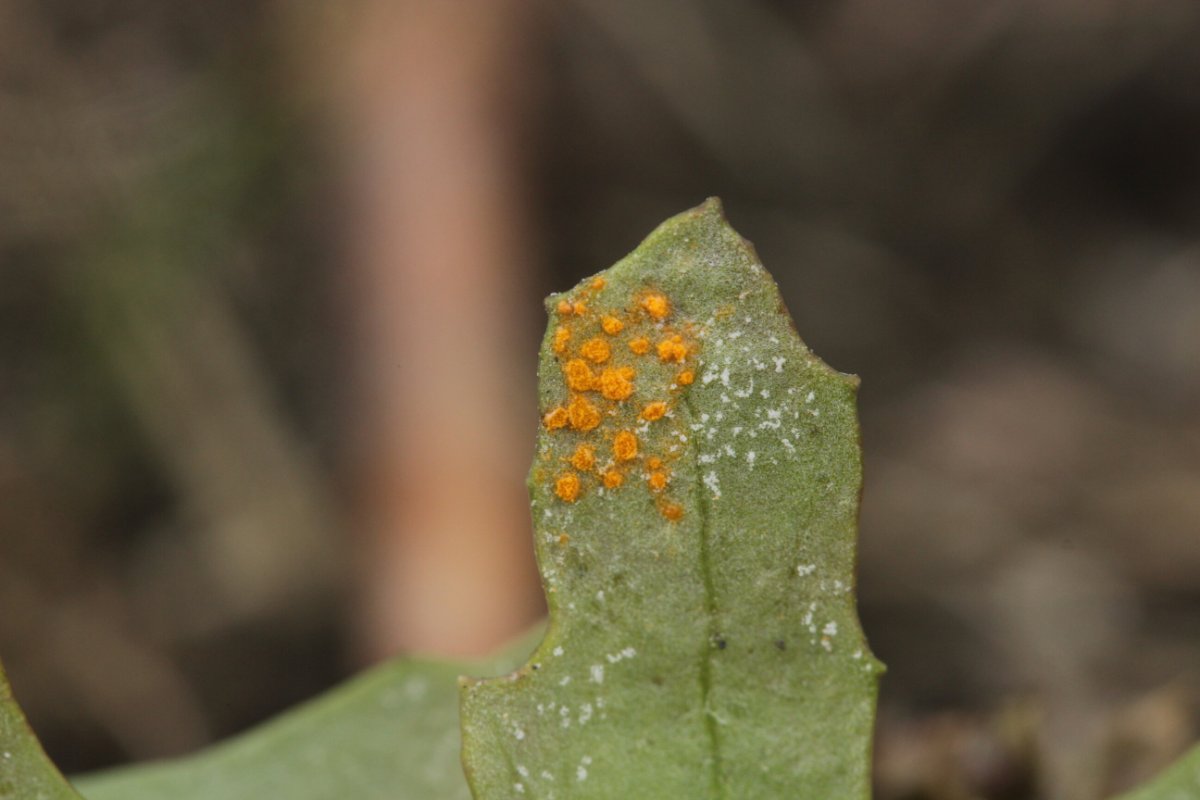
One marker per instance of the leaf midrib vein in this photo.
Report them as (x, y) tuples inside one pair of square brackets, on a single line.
[(716, 786)]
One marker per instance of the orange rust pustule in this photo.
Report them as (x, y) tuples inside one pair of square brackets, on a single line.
[(685, 378), (640, 345), (563, 307), (671, 511), (672, 349), (657, 481), (656, 305), (611, 325), (654, 411), (579, 375), (616, 384), (567, 487), (595, 350), (613, 479), (584, 458), (579, 308), (563, 539), (556, 418), (581, 414), (598, 283), (653, 462), (562, 335), (625, 446)]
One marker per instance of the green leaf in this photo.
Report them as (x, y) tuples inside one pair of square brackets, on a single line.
[(25, 771), (390, 733), (1181, 781), (703, 640)]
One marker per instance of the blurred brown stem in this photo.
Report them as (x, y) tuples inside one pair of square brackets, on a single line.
[(439, 265)]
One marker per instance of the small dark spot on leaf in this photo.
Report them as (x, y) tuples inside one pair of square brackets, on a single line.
[(781, 644)]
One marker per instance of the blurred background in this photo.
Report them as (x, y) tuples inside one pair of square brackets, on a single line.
[(270, 293)]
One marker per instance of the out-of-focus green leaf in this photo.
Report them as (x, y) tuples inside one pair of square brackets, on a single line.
[(1181, 781), (703, 641), (25, 771), (391, 733)]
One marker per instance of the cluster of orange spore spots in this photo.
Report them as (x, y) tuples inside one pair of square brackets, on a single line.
[(595, 350), (656, 305), (567, 487), (616, 383), (556, 418), (654, 411), (584, 458), (625, 446), (672, 349), (582, 414), (605, 403), (562, 335)]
